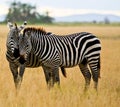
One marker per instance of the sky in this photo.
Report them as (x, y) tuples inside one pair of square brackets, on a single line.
[(58, 8)]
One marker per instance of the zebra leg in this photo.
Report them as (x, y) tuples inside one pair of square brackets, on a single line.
[(20, 75), (48, 76), (95, 69), (87, 75), (52, 76), (56, 77), (51, 79), (14, 70)]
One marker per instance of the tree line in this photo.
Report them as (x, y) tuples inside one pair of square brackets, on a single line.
[(22, 11)]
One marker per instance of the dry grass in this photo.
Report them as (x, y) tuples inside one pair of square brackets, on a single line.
[(34, 92)]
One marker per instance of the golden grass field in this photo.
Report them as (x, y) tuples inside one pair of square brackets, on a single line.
[(34, 92)]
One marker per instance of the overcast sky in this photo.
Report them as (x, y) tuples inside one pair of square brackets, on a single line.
[(68, 7)]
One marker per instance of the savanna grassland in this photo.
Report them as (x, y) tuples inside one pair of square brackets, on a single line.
[(34, 92)]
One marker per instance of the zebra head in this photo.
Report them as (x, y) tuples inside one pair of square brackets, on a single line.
[(13, 36), (25, 45)]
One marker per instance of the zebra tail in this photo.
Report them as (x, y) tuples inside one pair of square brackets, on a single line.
[(63, 72)]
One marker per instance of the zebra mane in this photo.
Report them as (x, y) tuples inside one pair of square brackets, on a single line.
[(33, 29)]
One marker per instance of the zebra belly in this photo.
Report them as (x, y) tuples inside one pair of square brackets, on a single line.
[(35, 65), (68, 66)]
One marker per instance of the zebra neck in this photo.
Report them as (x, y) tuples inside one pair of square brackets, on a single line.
[(37, 45)]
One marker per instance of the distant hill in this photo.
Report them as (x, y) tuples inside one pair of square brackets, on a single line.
[(88, 18), (83, 18)]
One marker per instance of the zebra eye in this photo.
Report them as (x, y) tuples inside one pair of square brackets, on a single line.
[(11, 37)]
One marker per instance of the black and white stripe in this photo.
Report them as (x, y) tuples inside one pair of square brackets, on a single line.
[(55, 51)]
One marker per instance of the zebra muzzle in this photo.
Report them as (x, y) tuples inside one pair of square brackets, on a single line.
[(24, 56), (22, 59)]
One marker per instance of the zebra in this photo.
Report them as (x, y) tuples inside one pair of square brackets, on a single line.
[(12, 52), (65, 51), (13, 56)]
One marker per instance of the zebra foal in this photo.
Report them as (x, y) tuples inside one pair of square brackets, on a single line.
[(56, 51)]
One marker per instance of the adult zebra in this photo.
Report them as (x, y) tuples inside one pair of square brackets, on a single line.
[(12, 53), (55, 51), (13, 56)]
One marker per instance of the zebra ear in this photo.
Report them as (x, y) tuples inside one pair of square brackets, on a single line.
[(22, 26), (16, 26), (10, 25)]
